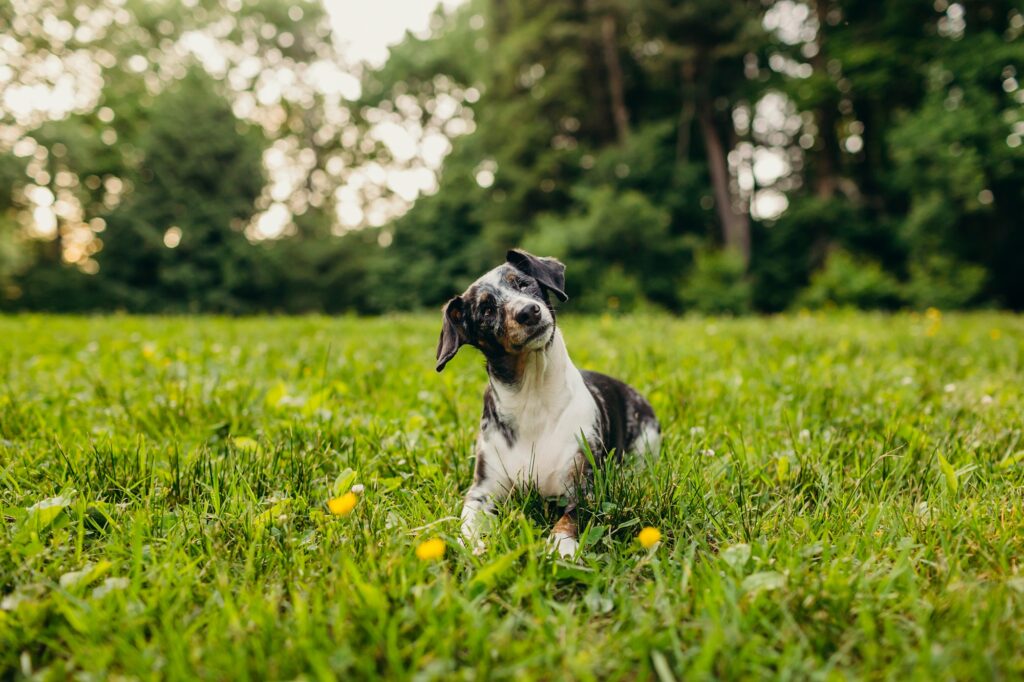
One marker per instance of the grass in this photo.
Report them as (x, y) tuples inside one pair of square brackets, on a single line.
[(839, 496)]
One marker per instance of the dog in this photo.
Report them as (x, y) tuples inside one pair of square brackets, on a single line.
[(541, 414)]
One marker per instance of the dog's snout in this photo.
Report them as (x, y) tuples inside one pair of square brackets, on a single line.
[(529, 314)]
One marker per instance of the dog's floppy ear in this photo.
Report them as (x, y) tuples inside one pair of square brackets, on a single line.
[(549, 272), (451, 335)]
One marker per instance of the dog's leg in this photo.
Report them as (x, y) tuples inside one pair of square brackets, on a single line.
[(475, 515), (479, 502), (564, 535)]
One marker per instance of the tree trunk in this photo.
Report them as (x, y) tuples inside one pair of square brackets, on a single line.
[(735, 226), (615, 86), (599, 122), (827, 152), (55, 248), (687, 111)]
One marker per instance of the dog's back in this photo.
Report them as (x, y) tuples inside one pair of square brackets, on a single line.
[(627, 422)]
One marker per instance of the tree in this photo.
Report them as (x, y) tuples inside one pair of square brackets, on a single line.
[(179, 235), (705, 43), (12, 254)]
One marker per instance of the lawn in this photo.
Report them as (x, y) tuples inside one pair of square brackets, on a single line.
[(838, 495)]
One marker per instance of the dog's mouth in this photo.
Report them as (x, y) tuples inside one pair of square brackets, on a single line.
[(527, 339), (535, 334), (540, 330)]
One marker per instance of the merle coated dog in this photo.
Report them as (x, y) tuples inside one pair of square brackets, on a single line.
[(538, 408)]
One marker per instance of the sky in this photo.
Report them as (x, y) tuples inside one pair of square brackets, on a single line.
[(365, 28)]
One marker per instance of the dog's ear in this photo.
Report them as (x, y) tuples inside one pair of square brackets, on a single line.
[(452, 337), (549, 272)]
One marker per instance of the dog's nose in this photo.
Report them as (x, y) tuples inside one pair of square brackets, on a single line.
[(529, 314)]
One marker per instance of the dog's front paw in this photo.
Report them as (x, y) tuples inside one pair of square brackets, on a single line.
[(476, 543), (566, 545)]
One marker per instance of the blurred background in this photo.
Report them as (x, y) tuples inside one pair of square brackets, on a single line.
[(721, 156)]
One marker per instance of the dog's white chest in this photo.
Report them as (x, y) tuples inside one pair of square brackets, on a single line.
[(546, 439)]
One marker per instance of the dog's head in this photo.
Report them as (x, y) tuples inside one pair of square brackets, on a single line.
[(506, 312)]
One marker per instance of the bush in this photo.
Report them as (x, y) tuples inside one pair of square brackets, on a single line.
[(944, 282), (617, 245), (848, 281), (717, 284), (610, 291)]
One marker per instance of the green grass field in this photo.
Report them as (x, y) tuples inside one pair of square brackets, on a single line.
[(839, 496)]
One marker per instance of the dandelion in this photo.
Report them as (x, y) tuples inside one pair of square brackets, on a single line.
[(649, 537), (342, 506), (995, 334), (430, 550)]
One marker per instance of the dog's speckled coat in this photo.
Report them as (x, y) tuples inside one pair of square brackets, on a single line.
[(538, 407)]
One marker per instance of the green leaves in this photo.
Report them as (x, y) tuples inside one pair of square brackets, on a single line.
[(763, 581), (343, 483), (736, 556), (44, 512), (949, 475), (488, 575)]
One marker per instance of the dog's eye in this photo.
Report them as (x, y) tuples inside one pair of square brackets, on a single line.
[(519, 284), (487, 312)]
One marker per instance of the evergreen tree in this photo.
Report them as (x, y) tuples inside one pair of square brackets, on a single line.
[(177, 239)]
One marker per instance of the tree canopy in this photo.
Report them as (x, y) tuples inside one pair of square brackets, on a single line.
[(711, 156)]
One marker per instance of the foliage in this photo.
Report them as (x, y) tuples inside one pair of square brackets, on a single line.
[(941, 282), (838, 495), (607, 245), (846, 280), (717, 284), (12, 256), (623, 137), (197, 178)]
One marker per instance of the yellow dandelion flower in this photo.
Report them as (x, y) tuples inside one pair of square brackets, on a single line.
[(343, 505), (649, 537), (933, 314), (430, 549), (995, 334)]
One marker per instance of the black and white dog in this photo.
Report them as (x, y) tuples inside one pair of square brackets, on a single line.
[(538, 407)]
